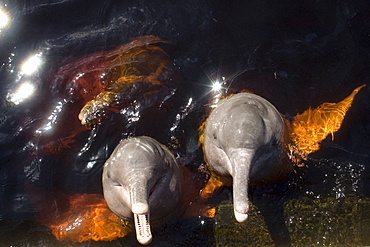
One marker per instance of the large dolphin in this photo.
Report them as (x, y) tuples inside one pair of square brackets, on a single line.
[(142, 178), (242, 142)]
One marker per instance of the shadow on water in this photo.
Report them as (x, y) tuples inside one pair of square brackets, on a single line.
[(295, 54)]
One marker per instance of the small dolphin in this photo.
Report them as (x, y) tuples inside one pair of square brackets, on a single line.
[(242, 142), (142, 181)]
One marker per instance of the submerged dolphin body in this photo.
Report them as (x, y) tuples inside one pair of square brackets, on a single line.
[(142, 179), (242, 141)]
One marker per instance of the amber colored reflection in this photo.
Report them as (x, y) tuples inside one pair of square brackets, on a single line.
[(212, 184), (137, 61), (89, 218), (199, 206), (308, 129), (201, 132)]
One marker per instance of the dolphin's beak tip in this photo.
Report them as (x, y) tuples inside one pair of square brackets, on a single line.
[(145, 241), (142, 227), (140, 208), (240, 217)]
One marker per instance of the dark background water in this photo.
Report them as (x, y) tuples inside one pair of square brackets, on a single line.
[(296, 54)]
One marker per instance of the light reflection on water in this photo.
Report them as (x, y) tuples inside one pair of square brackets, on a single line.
[(26, 82), (322, 203), (4, 18)]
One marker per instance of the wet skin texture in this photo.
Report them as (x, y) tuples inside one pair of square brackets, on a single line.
[(142, 177), (242, 140), (298, 54)]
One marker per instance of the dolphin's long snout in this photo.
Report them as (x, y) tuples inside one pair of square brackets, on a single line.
[(140, 210), (240, 186), (142, 227), (139, 196)]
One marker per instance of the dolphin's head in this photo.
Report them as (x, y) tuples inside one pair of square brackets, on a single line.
[(242, 141), (142, 182)]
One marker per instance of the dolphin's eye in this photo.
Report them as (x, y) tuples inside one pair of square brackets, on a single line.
[(117, 184), (151, 190), (156, 185)]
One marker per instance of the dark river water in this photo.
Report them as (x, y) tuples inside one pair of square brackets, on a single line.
[(296, 54)]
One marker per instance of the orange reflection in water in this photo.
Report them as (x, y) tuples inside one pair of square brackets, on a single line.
[(137, 61), (89, 218), (308, 129), (199, 206), (212, 185)]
